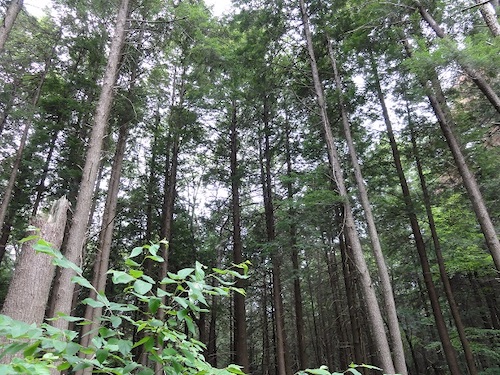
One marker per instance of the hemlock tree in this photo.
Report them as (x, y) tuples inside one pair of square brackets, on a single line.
[(374, 312), (77, 234)]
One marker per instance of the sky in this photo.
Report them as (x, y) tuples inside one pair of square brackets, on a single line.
[(36, 7)]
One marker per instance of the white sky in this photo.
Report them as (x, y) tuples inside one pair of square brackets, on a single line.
[(36, 7)]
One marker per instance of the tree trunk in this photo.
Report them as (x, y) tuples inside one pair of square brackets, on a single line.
[(375, 315), (8, 106), (446, 122), (77, 234), (476, 76), (448, 349), (279, 314), (297, 292), (351, 305), (490, 17), (29, 289), (40, 189), (105, 240), (240, 346), (439, 257), (383, 272), (13, 10)]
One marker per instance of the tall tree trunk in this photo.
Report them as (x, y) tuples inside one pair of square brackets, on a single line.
[(10, 103), (266, 350), (476, 76), (40, 189), (101, 262), (77, 234), (490, 17), (240, 346), (439, 257), (29, 289), (13, 10), (375, 315), (297, 292), (332, 264), (383, 272), (448, 349), (347, 267), (279, 314)]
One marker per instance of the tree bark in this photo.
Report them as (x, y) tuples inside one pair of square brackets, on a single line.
[(240, 346), (77, 234), (446, 122), (439, 257), (101, 263), (29, 289), (490, 17), (383, 272), (13, 10), (279, 314), (448, 349), (375, 315), (297, 292), (40, 189)]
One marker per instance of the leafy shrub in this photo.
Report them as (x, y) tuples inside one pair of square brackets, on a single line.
[(37, 350)]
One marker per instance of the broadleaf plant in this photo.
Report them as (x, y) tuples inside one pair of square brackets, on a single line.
[(38, 350)]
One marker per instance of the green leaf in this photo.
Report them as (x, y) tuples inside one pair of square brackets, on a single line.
[(29, 238), (142, 287), (30, 350), (135, 252), (323, 370), (153, 304), (155, 258), (136, 273), (148, 279), (101, 355), (131, 263), (124, 346), (153, 250), (116, 321), (120, 277), (354, 371), (181, 301), (235, 369), (65, 263), (82, 281), (93, 303), (45, 248), (142, 341), (185, 273)]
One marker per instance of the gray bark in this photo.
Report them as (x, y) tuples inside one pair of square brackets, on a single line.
[(77, 234), (490, 17), (10, 17), (29, 289), (375, 316), (383, 272)]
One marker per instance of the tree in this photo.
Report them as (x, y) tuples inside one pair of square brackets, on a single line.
[(77, 234), (375, 316), (30, 286), (13, 10)]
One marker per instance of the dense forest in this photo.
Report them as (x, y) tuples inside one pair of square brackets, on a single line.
[(293, 185)]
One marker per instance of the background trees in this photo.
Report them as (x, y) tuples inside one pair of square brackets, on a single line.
[(214, 140)]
